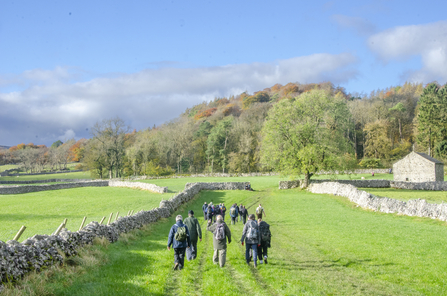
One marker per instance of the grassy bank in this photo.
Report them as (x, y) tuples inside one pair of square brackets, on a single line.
[(42, 212), (322, 245)]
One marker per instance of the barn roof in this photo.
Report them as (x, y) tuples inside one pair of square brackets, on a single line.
[(429, 157)]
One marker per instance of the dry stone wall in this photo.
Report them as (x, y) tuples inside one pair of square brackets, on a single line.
[(44, 181), (34, 188), (437, 186), (356, 183), (418, 207), (40, 251), (144, 186)]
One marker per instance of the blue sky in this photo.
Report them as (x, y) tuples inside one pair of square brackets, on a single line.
[(65, 65)]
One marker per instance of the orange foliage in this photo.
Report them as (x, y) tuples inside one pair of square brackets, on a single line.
[(289, 88), (77, 149), (389, 94), (206, 113), (13, 148), (21, 146), (276, 87), (231, 109)]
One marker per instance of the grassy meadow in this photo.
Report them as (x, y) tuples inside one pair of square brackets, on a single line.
[(42, 212), (321, 245)]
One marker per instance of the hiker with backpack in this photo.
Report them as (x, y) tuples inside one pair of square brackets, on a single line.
[(223, 210), (204, 208), (251, 235), (266, 235), (195, 233), (180, 240), (210, 211), (220, 232), (233, 214), (244, 214), (260, 211), (239, 211)]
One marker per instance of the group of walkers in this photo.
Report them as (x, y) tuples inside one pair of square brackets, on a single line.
[(256, 235)]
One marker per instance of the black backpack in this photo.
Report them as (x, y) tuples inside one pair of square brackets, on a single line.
[(264, 229)]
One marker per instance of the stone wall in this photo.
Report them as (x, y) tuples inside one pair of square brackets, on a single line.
[(45, 173), (144, 186), (358, 171), (225, 175), (418, 207), (44, 181), (34, 188), (40, 251), (437, 186), (357, 183)]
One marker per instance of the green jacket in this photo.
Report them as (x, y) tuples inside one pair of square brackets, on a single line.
[(220, 244), (195, 232)]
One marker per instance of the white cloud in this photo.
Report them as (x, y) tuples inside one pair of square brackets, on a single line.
[(428, 41), (68, 135), (361, 26), (149, 97)]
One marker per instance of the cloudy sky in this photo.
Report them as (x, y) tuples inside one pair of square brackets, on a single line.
[(65, 65)]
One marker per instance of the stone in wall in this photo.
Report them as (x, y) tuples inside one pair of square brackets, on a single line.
[(144, 186)]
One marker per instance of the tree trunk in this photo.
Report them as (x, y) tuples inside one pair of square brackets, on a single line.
[(307, 176)]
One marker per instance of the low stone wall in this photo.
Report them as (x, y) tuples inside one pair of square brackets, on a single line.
[(437, 186), (44, 181), (40, 251), (204, 175), (418, 207), (356, 183), (144, 186), (34, 188), (358, 171), (45, 173)]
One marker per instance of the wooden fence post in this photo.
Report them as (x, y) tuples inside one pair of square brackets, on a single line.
[(117, 215), (65, 222), (83, 222), (110, 218), (58, 230), (102, 220), (22, 229)]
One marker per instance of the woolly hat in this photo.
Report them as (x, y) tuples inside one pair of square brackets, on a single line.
[(191, 212), (179, 217)]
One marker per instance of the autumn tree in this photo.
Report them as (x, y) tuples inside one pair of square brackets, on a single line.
[(306, 134)]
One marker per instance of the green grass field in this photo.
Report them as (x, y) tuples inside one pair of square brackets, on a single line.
[(42, 212), (8, 167), (321, 245)]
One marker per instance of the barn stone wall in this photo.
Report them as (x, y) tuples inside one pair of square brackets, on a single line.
[(415, 168)]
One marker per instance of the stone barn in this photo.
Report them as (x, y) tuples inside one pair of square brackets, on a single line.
[(418, 167)]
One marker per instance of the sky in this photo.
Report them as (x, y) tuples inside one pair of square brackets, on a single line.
[(65, 65)]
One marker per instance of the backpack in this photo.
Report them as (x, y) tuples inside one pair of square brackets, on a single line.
[(224, 209), (210, 210), (219, 233), (251, 232), (258, 210), (264, 229), (180, 234), (233, 211)]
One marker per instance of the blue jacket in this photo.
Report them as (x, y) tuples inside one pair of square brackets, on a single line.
[(175, 243), (204, 208)]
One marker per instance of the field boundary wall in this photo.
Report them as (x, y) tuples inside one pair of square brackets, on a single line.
[(417, 207), (378, 183), (44, 181), (41, 251), (35, 174)]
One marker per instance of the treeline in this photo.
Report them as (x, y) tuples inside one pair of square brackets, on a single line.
[(39, 158), (225, 135)]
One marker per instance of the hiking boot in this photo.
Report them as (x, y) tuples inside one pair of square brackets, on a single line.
[(265, 259), (175, 266), (260, 262), (256, 265)]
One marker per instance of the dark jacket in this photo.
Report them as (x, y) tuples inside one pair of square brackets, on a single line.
[(220, 244), (253, 224), (195, 232), (175, 243), (243, 213)]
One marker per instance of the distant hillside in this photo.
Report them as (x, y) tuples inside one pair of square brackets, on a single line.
[(4, 147)]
